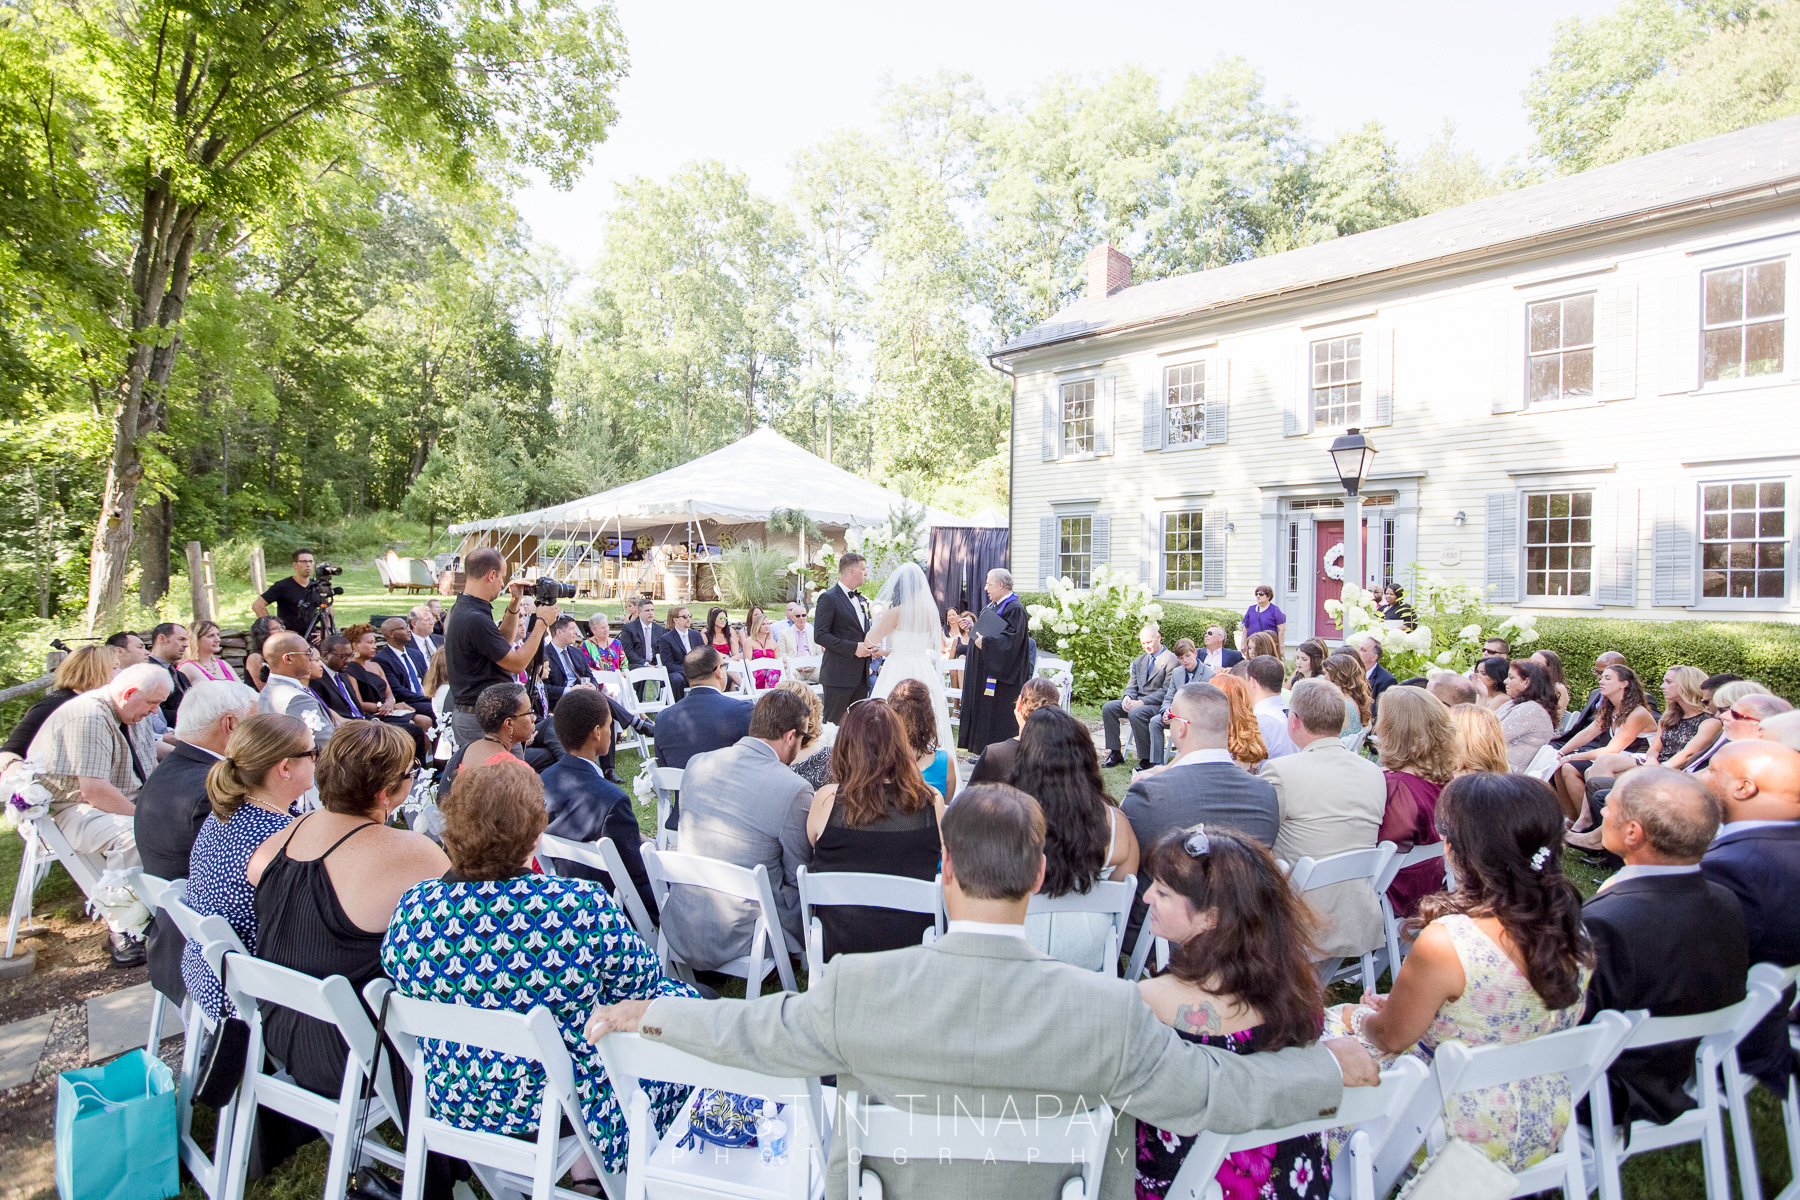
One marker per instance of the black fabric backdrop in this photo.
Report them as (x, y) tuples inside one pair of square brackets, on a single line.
[(960, 558)]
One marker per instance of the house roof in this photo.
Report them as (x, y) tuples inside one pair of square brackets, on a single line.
[(1764, 159)]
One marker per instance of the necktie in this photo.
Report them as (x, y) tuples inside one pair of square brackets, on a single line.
[(804, 646), (412, 675), (562, 656), (344, 688)]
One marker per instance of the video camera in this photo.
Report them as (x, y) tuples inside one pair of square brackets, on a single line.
[(316, 606)]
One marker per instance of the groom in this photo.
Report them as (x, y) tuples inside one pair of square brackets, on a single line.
[(840, 624)]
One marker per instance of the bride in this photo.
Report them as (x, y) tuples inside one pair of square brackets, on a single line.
[(910, 626)]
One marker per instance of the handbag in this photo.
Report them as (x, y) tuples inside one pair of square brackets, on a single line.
[(723, 1119), (223, 1051), (365, 1182), (1459, 1171), (115, 1131)]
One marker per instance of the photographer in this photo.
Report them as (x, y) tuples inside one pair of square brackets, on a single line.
[(296, 598), (478, 652)]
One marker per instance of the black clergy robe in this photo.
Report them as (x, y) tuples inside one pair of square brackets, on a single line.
[(999, 662)]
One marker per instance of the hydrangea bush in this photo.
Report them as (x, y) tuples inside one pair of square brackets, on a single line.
[(1453, 619), (1095, 628)]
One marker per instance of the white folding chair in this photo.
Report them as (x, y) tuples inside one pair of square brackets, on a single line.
[(669, 868), (506, 1166), (1369, 1110), (652, 701), (152, 890), (250, 980), (666, 782), (208, 1169), (601, 856), (1061, 672), (1139, 966), (901, 893), (1396, 953), (1737, 1098), (659, 1166), (1719, 1033), (1369, 866), (1577, 1054), (44, 846), (765, 665), (1109, 897), (877, 1131)]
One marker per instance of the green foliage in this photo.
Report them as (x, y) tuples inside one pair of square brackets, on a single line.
[(752, 573), (898, 540), (1095, 629), (1764, 651)]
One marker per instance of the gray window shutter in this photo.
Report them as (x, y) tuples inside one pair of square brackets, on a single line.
[(1102, 539), (1052, 424), (1615, 535), (1672, 546), (1212, 549), (1500, 576), (1106, 412), (1047, 564), (1679, 335), (1153, 414), (1147, 539), (1218, 399), (1615, 343), (1509, 359), (1382, 411), (1291, 423)]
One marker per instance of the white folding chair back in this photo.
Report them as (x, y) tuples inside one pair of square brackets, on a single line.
[(1109, 897), (670, 868), (601, 856), (876, 1131), (1396, 953), (1369, 1110), (1368, 865), (1737, 1097), (1139, 966), (1578, 1054), (505, 1165), (44, 845), (152, 889), (1719, 1033), (617, 685), (659, 1165), (765, 665), (902, 893), (1061, 672), (652, 701), (249, 980), (666, 782)]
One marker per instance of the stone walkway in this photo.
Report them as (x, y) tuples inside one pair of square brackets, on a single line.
[(115, 1023)]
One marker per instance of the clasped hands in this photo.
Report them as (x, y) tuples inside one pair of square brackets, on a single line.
[(868, 649)]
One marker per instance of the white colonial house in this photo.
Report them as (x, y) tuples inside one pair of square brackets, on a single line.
[(1585, 396)]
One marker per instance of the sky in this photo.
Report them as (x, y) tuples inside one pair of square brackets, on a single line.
[(751, 84)]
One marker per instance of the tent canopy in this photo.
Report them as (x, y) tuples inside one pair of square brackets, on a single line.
[(737, 485)]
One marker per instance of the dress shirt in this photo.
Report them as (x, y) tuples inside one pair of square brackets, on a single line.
[(1271, 718), (1741, 826), (1648, 871), (802, 639), (562, 656), (1204, 756), (412, 672), (990, 928), (850, 595), (1215, 659)]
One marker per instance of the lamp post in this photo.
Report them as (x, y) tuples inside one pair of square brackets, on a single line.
[(1351, 455)]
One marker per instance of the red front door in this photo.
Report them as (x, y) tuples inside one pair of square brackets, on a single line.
[(1330, 546)]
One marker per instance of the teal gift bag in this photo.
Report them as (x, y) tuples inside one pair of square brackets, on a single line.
[(115, 1131)]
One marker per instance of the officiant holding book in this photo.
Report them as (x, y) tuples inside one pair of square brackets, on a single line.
[(995, 667)]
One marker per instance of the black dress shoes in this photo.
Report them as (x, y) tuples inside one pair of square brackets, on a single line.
[(127, 951), (1113, 759)]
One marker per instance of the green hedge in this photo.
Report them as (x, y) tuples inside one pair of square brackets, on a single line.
[(1766, 652), (1178, 621)]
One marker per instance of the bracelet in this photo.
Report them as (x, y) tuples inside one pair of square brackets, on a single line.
[(1359, 1016)]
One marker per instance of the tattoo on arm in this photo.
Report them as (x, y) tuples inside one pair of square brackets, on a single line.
[(1199, 1018)]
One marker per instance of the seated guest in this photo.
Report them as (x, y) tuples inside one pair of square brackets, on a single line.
[(173, 806), (1379, 677), (997, 762), (705, 718), (522, 934), (405, 663), (1246, 743), (1346, 671), (287, 689), (1528, 718), (373, 684), (86, 668), (1490, 681), (1309, 661), (583, 805), (1188, 669), (1783, 728), (674, 644), (1480, 744), (1453, 690), (424, 624), (640, 633), (1240, 979), (879, 816), (508, 725), (1218, 656), (1622, 723), (1329, 801), (1585, 717), (256, 666), (326, 887), (1261, 644), (1418, 757), (1501, 959), (250, 792), (1142, 699), (795, 637), (1756, 856), (758, 641), (1496, 647), (204, 662), (1086, 838), (1682, 735), (812, 762), (1271, 715), (601, 647), (743, 805), (981, 978), (911, 702), (567, 662), (1551, 661), (1713, 684), (1666, 938)]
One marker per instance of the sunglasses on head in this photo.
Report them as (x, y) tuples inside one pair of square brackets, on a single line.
[(1197, 843)]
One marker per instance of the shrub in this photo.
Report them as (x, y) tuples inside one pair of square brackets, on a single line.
[(1761, 650), (1095, 628), (752, 573)]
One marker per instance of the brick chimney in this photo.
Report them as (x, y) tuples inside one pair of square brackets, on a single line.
[(1108, 270)]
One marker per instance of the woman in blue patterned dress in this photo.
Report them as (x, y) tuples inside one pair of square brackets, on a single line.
[(268, 765), (492, 934)]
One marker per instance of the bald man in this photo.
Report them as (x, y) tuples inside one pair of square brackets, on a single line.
[(1757, 856), (290, 662), (405, 665)]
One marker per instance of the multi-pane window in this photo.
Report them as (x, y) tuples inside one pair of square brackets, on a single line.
[(1744, 321), (1182, 550), (1078, 418), (1293, 556), (1743, 540), (1075, 549), (1559, 544), (1337, 374), (1387, 549), (1184, 400), (1561, 348)]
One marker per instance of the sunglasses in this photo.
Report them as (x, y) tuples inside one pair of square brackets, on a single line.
[(1197, 844), (1735, 715), (313, 753)]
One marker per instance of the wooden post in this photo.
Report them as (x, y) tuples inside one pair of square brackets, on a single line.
[(196, 580), (259, 571), (212, 586)]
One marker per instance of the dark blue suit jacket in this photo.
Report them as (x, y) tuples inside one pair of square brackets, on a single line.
[(1761, 867), (388, 659), (559, 681), (705, 719), (638, 653), (583, 807)]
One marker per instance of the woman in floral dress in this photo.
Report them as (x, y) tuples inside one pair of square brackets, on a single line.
[(1240, 979), (1502, 959)]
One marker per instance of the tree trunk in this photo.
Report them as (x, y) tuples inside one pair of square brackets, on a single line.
[(153, 551)]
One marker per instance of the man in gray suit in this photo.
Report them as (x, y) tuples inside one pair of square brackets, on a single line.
[(1188, 669), (981, 1023), (1142, 699), (743, 805)]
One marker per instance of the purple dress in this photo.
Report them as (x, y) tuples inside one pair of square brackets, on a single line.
[(1411, 804), (1267, 620)]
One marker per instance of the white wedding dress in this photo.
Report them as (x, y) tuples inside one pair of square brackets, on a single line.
[(909, 628)]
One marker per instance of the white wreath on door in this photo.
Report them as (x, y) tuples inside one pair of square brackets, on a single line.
[(1334, 562)]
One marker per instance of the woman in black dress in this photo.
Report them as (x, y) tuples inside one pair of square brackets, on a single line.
[(375, 695), (879, 816)]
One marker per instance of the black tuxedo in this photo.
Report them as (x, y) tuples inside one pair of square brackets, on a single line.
[(1674, 944), (171, 808), (840, 623), (638, 651), (1761, 867), (389, 660), (672, 649), (332, 698), (583, 807)]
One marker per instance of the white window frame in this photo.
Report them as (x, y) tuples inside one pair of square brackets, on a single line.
[(1588, 599), (1365, 379), (1061, 571), (1162, 551), (1063, 383), (1787, 315), (1528, 402), (1205, 363), (1702, 261), (1792, 582)]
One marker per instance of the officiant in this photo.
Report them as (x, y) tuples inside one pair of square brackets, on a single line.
[(995, 668)]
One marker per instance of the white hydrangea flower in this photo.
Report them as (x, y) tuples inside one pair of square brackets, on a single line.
[(1445, 659), (1469, 633)]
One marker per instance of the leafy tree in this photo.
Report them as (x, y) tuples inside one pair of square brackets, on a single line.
[(1441, 176), (1358, 183)]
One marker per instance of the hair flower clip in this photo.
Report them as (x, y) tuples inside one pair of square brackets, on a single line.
[(1540, 858)]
